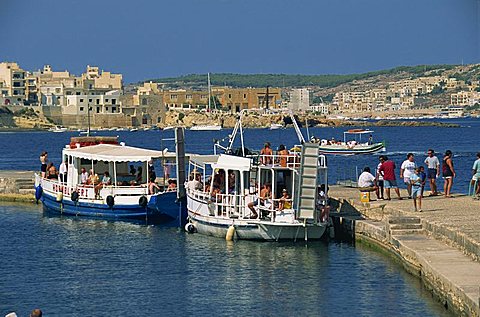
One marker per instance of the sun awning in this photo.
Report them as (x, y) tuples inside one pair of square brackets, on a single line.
[(202, 160), (117, 153)]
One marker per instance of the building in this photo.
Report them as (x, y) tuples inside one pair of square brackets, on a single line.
[(321, 108), (102, 80), (299, 99), (12, 84)]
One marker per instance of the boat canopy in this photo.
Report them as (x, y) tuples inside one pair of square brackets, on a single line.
[(232, 162), (202, 160), (358, 131), (117, 153)]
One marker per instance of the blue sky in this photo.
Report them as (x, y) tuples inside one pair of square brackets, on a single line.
[(157, 38)]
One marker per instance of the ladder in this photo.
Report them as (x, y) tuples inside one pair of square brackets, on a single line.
[(307, 190)]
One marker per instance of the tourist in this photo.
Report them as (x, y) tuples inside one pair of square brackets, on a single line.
[(62, 172), (36, 313), (448, 173), (166, 171), (476, 175), (83, 176), (133, 171), (368, 182), (389, 179), (406, 170), (106, 180), (416, 182), (193, 183), (379, 177), (266, 154), (433, 171), (172, 185), (322, 203), (264, 196), (282, 155), (93, 178), (370, 140), (284, 202), (423, 177), (52, 171), (43, 161)]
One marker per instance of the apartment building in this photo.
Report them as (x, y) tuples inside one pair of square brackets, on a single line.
[(465, 98), (299, 99), (108, 102), (102, 80), (12, 83)]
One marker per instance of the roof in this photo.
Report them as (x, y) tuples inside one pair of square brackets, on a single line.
[(358, 131), (201, 160), (117, 153)]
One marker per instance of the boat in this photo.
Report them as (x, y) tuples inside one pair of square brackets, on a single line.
[(276, 126), (223, 208), (206, 128), (58, 129), (129, 196), (352, 144)]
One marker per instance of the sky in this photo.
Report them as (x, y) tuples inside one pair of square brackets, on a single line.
[(144, 39)]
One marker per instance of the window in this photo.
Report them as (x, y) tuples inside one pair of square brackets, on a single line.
[(81, 100), (173, 96), (90, 100), (81, 108), (188, 97), (106, 108), (106, 100), (98, 109), (77, 93), (98, 101), (57, 90), (114, 109), (114, 101), (244, 96), (230, 96), (144, 101)]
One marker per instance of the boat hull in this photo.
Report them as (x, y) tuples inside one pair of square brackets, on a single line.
[(256, 229), (345, 150)]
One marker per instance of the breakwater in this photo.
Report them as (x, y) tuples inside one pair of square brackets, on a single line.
[(441, 245)]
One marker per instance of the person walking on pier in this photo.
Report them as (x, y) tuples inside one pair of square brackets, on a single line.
[(448, 173), (476, 176), (416, 182), (406, 170), (433, 171), (388, 169)]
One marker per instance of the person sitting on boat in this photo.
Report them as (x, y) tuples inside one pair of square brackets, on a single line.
[(106, 180), (351, 144), (43, 161), (172, 185), (52, 171), (367, 182), (93, 178), (133, 171), (83, 176), (282, 155), (370, 140), (285, 202), (153, 186), (265, 194), (266, 154), (193, 183)]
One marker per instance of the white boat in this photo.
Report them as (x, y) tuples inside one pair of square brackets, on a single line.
[(201, 127), (58, 129), (133, 130), (224, 208), (352, 146), (127, 196), (276, 126)]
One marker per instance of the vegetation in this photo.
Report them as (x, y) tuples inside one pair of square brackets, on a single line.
[(286, 80)]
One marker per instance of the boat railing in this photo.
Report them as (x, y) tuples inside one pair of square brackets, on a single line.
[(291, 160), (230, 205), (199, 194)]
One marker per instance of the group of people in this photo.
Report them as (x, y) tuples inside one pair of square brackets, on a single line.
[(415, 177), (264, 199), (49, 171), (267, 157)]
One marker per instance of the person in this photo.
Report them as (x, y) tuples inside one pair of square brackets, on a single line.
[(389, 179), (43, 161), (36, 313), (282, 155), (476, 175), (433, 171), (448, 173), (416, 182), (52, 171), (285, 202), (193, 183), (166, 170), (172, 185), (264, 196), (368, 182), (139, 176), (62, 172), (266, 154), (93, 178), (83, 176), (370, 140), (423, 177), (151, 170), (133, 171), (379, 177), (106, 180), (406, 170), (322, 203)]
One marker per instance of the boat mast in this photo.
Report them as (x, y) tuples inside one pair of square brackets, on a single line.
[(209, 93)]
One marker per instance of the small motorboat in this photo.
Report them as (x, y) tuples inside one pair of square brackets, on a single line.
[(352, 144)]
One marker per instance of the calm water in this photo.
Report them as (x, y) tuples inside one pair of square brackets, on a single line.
[(21, 150), (71, 267)]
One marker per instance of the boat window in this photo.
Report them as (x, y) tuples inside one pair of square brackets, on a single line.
[(283, 180), (265, 177), (233, 182)]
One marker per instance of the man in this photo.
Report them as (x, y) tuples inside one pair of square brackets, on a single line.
[(388, 169), (264, 195), (36, 313), (406, 170), (476, 175), (83, 176), (368, 182), (62, 172), (433, 171), (266, 154)]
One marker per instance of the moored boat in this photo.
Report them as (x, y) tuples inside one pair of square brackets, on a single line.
[(126, 195), (206, 127), (352, 144), (275, 126)]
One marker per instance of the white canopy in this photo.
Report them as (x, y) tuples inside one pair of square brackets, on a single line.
[(117, 153)]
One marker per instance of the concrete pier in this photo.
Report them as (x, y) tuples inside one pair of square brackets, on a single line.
[(17, 186), (441, 245)]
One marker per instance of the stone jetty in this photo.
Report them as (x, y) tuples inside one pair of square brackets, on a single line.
[(17, 186), (441, 245)]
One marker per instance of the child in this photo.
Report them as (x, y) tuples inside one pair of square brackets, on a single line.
[(416, 182), (423, 177)]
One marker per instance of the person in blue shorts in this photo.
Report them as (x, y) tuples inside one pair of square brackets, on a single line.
[(423, 177), (416, 182)]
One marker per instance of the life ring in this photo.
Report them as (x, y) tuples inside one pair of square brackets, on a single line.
[(110, 200), (74, 196), (143, 201), (190, 228)]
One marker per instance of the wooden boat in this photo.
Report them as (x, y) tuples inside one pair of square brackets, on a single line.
[(352, 144), (206, 128), (224, 208)]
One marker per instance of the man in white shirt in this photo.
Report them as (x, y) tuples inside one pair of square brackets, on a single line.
[(433, 171), (406, 170), (62, 172), (83, 176), (368, 182)]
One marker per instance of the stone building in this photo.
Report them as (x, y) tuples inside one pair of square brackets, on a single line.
[(12, 84), (299, 99)]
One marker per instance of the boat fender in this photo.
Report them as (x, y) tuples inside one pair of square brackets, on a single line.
[(74, 196), (110, 200), (59, 196), (143, 201), (230, 233), (190, 228), (38, 192)]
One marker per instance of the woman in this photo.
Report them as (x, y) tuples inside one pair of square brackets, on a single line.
[(448, 173)]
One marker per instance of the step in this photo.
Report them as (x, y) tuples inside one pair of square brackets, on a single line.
[(26, 191), (396, 220), (399, 232), (406, 226)]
